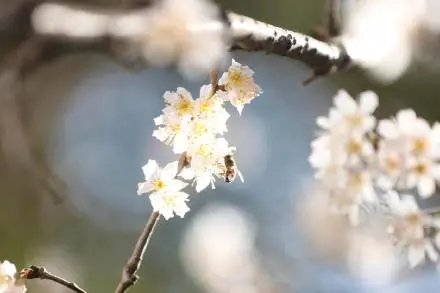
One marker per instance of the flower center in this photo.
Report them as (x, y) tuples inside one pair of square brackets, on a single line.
[(355, 120), (158, 185), (234, 77), (421, 168), (354, 147), (184, 107), (169, 200), (420, 145), (200, 128), (391, 164)]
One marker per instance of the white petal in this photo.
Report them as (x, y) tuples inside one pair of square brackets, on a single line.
[(393, 200), (353, 215), (203, 181), (344, 102), (388, 129), (416, 255), (426, 187), (7, 269), (177, 185), (180, 207), (150, 169), (144, 187), (223, 79), (169, 171), (368, 102), (184, 93), (435, 132), (435, 171), (406, 119), (437, 240), (385, 182), (239, 108), (187, 174), (161, 134), (157, 201), (159, 120), (205, 91), (170, 97), (430, 251), (180, 143), (323, 122), (167, 212)]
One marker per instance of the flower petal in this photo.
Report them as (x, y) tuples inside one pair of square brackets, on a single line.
[(169, 171), (426, 187), (150, 169), (369, 101), (345, 103), (416, 255), (144, 187)]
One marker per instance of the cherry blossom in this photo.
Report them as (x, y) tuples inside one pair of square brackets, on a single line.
[(8, 281), (240, 86)]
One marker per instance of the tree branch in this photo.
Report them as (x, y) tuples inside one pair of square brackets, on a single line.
[(244, 33), (34, 272), (251, 35), (129, 271)]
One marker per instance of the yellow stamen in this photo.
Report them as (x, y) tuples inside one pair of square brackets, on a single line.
[(158, 185)]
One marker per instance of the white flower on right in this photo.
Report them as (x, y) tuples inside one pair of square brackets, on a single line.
[(349, 115), (407, 227), (8, 282), (240, 86), (408, 153)]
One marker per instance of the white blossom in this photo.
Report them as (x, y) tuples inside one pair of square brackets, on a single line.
[(408, 152), (348, 194), (407, 227), (343, 153), (380, 35), (188, 33), (423, 174), (206, 162), (173, 130), (349, 115), (179, 103), (8, 281), (211, 108), (160, 180), (169, 203), (240, 86)]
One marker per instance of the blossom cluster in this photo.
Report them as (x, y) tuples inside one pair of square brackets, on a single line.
[(8, 281), (194, 129), (362, 162)]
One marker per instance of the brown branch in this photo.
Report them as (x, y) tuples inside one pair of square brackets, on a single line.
[(34, 272), (129, 271), (245, 33)]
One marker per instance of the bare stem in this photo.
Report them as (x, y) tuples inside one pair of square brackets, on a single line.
[(129, 271), (34, 272)]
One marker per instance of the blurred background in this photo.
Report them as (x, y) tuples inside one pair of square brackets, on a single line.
[(90, 121)]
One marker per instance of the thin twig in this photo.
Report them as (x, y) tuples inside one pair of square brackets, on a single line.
[(34, 272), (129, 271)]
